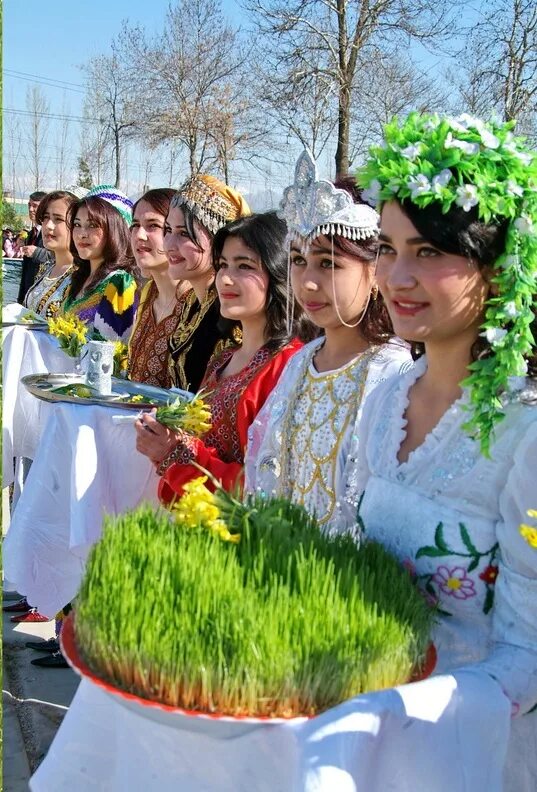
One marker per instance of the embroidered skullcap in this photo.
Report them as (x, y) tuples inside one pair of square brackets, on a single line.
[(78, 191), (213, 203), (115, 198), (313, 206)]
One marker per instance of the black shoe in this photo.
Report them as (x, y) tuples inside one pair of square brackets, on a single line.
[(51, 645), (55, 660)]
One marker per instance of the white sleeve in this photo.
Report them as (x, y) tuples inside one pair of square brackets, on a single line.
[(513, 659), (390, 363), (263, 450)]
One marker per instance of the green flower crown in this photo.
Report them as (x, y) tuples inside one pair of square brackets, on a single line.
[(467, 162)]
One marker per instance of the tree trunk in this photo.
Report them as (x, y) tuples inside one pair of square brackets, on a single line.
[(343, 124), (118, 154)]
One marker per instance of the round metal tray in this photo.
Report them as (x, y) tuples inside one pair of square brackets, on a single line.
[(43, 326), (42, 386)]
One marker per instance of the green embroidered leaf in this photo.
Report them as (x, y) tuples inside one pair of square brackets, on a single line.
[(465, 536), (489, 599), (430, 552), (439, 540), (473, 564)]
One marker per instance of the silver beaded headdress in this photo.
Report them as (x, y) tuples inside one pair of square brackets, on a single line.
[(313, 206)]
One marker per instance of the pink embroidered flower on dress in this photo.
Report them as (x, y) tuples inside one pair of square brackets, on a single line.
[(454, 582)]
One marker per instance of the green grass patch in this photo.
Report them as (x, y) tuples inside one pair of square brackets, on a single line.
[(286, 622)]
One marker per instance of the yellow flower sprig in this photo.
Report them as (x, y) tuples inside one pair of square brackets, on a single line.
[(121, 358), (71, 332), (193, 417), (529, 532), (197, 508)]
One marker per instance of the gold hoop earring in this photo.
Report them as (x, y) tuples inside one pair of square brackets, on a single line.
[(374, 292)]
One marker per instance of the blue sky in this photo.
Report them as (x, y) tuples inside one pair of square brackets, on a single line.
[(51, 45), (63, 34)]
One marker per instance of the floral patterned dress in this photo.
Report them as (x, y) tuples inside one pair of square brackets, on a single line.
[(453, 518)]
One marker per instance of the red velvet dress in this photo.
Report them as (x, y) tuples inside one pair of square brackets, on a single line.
[(235, 402)]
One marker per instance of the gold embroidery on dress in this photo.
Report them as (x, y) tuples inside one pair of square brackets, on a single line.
[(315, 422), (186, 327), (52, 309)]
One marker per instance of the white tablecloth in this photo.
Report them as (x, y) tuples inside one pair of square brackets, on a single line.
[(25, 352), (446, 734), (85, 467)]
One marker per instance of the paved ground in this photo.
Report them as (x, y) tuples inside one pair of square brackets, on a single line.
[(34, 699)]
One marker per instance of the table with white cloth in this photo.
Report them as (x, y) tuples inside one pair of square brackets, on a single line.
[(85, 467), (23, 417), (444, 734)]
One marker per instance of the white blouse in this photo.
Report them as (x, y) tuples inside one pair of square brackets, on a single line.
[(298, 445), (453, 518)]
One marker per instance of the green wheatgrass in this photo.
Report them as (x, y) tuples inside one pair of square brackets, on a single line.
[(288, 622)]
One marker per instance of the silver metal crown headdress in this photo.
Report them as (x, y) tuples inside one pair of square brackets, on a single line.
[(313, 206)]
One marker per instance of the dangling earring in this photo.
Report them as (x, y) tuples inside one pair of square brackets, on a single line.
[(374, 291)]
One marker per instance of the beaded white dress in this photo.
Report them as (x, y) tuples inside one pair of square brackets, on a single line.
[(298, 445), (452, 516)]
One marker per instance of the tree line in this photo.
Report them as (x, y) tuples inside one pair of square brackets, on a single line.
[(324, 73)]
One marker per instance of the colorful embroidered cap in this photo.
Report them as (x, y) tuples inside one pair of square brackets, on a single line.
[(115, 198), (212, 202)]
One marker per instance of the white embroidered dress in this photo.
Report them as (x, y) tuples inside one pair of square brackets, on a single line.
[(452, 516), (298, 445)]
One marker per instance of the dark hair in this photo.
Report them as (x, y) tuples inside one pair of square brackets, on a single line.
[(463, 234), (190, 224), (57, 195), (376, 325), (265, 234), (159, 200), (117, 252), (38, 195)]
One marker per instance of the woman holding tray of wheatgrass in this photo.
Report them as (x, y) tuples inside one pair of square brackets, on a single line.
[(160, 306), (104, 284), (447, 459), (250, 262), (298, 445)]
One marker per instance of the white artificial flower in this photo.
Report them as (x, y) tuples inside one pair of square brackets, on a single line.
[(489, 140), (441, 179), (371, 194), (524, 225), (431, 124), (467, 196), (510, 261), (466, 121), (411, 151), (393, 186), (514, 189), (494, 335), (511, 309), (524, 157), (516, 384), (419, 185), (463, 145)]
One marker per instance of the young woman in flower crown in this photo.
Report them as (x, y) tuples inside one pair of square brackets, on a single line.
[(250, 261), (299, 443), (104, 284), (447, 460), (48, 292), (159, 310)]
